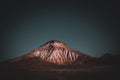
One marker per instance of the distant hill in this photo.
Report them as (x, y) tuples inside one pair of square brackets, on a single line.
[(109, 59)]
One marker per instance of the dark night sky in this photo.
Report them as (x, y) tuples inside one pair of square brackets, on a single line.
[(90, 27)]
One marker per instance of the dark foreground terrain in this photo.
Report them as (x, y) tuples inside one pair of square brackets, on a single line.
[(96, 72), (106, 67)]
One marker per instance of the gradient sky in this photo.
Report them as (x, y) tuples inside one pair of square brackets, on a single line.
[(90, 27)]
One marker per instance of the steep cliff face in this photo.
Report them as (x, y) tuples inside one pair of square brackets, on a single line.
[(55, 52)]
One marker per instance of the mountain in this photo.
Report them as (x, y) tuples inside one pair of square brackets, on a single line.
[(55, 52), (54, 60), (109, 59)]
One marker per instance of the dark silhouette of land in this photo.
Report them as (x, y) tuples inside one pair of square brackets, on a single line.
[(103, 68)]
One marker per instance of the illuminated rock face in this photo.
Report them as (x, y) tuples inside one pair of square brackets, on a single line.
[(54, 52)]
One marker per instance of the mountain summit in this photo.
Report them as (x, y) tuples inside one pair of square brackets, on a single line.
[(56, 52)]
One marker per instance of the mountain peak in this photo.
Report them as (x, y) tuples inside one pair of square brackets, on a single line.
[(56, 52), (55, 43)]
